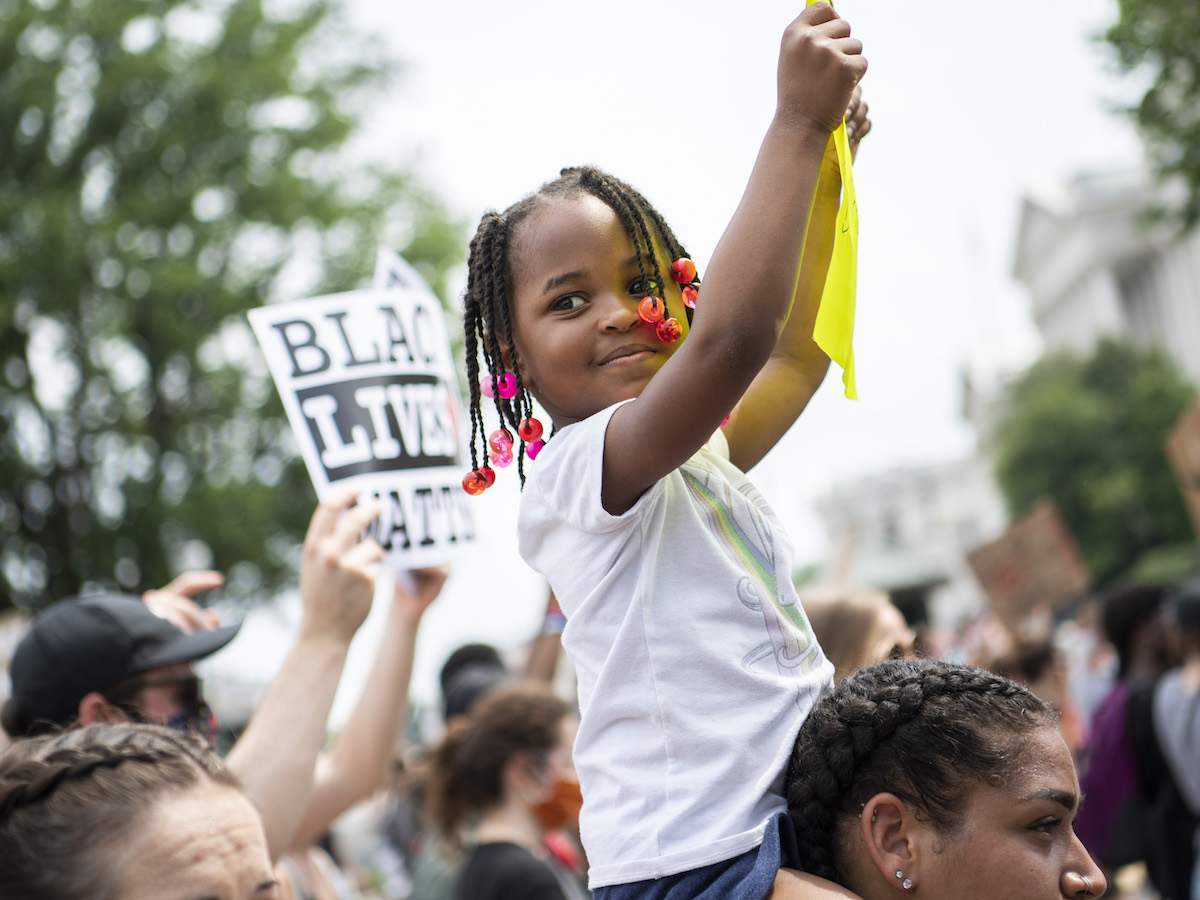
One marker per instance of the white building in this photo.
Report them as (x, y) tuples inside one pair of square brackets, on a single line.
[(907, 531), (1096, 267)]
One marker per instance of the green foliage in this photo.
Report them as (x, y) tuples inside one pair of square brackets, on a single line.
[(1089, 433), (1161, 38), (165, 166)]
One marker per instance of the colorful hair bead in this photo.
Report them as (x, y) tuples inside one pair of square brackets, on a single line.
[(500, 440), (534, 448), (487, 386), (489, 474), (501, 459), (683, 270), (651, 309), (668, 330), (475, 482), (506, 386), (529, 430), (689, 296)]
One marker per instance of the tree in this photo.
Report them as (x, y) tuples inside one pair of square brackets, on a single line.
[(1161, 38), (165, 166), (1089, 433)]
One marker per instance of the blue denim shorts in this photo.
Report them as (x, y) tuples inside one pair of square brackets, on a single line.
[(749, 876)]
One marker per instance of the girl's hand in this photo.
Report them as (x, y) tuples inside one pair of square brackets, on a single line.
[(858, 125), (819, 66)]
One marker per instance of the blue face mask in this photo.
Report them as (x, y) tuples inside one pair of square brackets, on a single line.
[(200, 720)]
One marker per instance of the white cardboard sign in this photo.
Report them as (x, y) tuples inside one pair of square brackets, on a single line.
[(368, 382)]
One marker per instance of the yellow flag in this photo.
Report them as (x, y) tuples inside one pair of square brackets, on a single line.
[(834, 329)]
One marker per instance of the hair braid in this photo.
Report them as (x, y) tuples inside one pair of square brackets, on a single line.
[(66, 799), (926, 731)]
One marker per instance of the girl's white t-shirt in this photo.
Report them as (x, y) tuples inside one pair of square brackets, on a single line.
[(696, 663)]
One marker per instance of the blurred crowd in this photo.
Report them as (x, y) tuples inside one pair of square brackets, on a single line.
[(486, 803)]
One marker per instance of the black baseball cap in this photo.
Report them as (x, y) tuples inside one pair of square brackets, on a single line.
[(92, 643)]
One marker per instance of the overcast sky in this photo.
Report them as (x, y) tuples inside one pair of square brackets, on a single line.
[(973, 105)]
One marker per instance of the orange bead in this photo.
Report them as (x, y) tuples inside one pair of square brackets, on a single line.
[(475, 483), (669, 330), (650, 309), (683, 270), (689, 296)]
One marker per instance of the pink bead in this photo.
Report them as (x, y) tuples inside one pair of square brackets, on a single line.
[(669, 330), (507, 387), (650, 309), (475, 483), (487, 386), (689, 296), (500, 440), (529, 430), (683, 270), (533, 448), (501, 459)]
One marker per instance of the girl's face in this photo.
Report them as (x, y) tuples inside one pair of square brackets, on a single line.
[(576, 287), (1017, 838)]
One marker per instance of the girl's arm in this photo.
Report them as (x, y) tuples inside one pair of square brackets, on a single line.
[(748, 288), (797, 366)]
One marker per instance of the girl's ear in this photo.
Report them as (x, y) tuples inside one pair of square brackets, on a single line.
[(522, 778), (894, 839)]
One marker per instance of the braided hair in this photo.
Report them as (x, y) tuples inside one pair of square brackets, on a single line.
[(67, 799), (927, 731), (487, 300)]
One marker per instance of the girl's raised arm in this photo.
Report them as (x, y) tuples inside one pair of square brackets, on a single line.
[(748, 288)]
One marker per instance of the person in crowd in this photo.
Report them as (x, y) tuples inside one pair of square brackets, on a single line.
[(124, 811), (857, 627), (467, 675), (499, 782), (1120, 765), (112, 659), (1039, 666), (674, 574), (1176, 716), (935, 780)]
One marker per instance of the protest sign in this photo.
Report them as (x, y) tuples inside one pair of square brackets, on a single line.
[(368, 382), (1034, 565)]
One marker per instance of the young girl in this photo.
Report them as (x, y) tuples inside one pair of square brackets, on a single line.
[(695, 662)]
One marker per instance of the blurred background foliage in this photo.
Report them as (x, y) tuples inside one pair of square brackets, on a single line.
[(1088, 432), (164, 167), (1160, 40)]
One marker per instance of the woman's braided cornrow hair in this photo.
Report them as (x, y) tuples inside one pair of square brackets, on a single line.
[(66, 798), (926, 731), (487, 322)]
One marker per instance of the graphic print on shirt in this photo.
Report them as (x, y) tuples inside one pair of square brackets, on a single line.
[(744, 533)]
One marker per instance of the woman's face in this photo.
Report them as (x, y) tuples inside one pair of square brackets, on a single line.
[(1016, 840), (205, 843)]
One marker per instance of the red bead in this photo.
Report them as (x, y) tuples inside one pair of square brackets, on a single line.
[(500, 440), (529, 430), (689, 296), (683, 270), (534, 448), (475, 482), (669, 330), (650, 309)]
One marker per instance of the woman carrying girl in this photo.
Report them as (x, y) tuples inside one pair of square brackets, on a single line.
[(695, 661)]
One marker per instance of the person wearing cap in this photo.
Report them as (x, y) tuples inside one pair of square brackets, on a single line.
[(109, 658), (1177, 715)]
